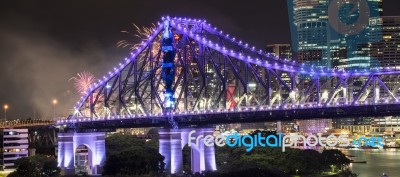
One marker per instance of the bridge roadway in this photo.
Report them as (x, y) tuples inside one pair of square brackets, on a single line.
[(247, 115), (27, 123)]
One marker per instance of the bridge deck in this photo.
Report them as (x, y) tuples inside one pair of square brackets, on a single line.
[(249, 115)]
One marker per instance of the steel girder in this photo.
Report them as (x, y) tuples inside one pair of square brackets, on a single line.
[(216, 72)]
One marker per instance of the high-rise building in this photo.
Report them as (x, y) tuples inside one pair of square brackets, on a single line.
[(282, 51), (386, 53), (329, 34), (354, 126), (338, 54), (309, 27), (286, 127), (386, 125), (14, 145), (358, 33), (387, 50), (315, 125)]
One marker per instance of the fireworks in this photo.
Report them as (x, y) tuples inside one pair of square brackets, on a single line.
[(143, 34), (83, 81)]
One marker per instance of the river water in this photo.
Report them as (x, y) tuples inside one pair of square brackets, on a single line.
[(378, 162)]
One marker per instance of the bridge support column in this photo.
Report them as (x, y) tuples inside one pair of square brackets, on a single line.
[(209, 154), (66, 153), (172, 141), (68, 144), (171, 148)]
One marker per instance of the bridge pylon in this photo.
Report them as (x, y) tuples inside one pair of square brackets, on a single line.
[(172, 141), (68, 144)]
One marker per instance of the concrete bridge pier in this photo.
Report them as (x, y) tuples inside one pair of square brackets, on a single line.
[(67, 151), (171, 149), (172, 141)]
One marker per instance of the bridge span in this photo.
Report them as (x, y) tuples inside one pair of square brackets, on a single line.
[(188, 73), (247, 115)]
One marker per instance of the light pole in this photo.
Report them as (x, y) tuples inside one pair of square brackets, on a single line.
[(54, 109), (5, 112)]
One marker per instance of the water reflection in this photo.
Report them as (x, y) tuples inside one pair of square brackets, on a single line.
[(378, 162)]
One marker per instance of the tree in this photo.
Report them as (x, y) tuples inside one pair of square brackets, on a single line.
[(128, 155), (50, 169), (186, 155), (36, 166), (153, 132), (334, 157), (235, 160), (347, 173)]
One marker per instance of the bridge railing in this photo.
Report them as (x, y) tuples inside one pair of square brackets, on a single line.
[(26, 123), (74, 119)]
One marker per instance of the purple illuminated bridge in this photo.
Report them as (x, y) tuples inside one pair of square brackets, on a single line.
[(218, 79)]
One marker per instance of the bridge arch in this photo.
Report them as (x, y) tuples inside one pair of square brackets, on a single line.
[(68, 143), (83, 158)]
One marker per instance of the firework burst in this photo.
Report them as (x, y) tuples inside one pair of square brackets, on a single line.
[(83, 81), (142, 33)]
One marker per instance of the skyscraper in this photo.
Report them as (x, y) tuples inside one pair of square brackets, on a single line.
[(282, 51), (359, 32), (309, 29), (332, 33), (387, 55), (387, 50)]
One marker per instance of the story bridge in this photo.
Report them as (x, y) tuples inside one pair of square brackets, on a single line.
[(216, 78), (189, 73)]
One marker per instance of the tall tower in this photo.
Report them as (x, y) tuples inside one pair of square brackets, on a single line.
[(332, 33), (309, 29), (356, 32)]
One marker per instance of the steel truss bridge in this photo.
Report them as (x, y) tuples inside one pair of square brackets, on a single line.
[(220, 79)]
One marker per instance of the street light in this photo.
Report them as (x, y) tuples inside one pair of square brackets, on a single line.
[(5, 112), (54, 109)]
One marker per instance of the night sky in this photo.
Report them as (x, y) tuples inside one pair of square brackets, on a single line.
[(45, 43)]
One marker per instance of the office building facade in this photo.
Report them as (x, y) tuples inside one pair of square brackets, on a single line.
[(387, 50), (282, 51), (14, 146), (325, 34), (309, 29), (314, 126)]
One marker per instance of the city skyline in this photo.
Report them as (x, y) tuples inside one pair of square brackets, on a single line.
[(326, 34)]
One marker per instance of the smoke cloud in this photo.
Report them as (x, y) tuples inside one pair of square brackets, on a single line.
[(35, 69)]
